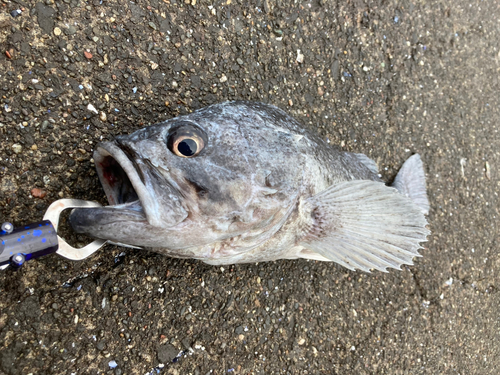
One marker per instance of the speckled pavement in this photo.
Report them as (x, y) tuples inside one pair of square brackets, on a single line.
[(386, 78)]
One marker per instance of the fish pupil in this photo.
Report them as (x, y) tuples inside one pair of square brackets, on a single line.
[(187, 147)]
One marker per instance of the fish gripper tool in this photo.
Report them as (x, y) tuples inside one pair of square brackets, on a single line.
[(18, 245)]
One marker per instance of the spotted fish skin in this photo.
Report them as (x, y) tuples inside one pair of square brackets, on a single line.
[(241, 182)]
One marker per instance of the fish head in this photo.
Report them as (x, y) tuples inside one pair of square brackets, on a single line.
[(225, 172)]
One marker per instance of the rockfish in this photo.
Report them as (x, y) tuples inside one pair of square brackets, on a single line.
[(242, 182)]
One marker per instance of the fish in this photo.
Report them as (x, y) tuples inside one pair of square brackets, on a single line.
[(244, 182)]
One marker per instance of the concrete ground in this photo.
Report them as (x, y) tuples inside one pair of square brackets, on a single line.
[(386, 78)]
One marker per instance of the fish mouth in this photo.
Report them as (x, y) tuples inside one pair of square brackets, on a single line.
[(122, 181), (134, 187), (139, 196)]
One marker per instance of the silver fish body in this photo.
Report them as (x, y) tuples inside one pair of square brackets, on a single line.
[(243, 182)]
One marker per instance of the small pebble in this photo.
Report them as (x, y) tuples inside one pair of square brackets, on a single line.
[(71, 30), (87, 54), (38, 193), (103, 116), (101, 345), (463, 162), (278, 32), (91, 108), (300, 57), (57, 31), (17, 148), (488, 172)]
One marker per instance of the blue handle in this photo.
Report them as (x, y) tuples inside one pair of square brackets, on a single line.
[(17, 245)]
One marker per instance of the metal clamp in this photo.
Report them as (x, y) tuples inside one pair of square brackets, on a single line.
[(66, 250)]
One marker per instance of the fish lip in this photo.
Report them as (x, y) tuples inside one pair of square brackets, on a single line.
[(111, 152)]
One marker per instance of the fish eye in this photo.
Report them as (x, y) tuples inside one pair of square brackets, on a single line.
[(186, 140), (187, 147)]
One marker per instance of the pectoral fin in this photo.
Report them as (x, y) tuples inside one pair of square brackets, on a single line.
[(364, 225)]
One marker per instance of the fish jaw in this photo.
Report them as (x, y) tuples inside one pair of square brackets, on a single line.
[(132, 194), (120, 179)]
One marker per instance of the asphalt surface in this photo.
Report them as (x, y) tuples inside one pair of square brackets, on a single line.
[(386, 78)]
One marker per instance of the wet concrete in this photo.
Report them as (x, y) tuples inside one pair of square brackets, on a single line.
[(386, 78)]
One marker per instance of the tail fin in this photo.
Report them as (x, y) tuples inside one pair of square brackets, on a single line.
[(410, 181)]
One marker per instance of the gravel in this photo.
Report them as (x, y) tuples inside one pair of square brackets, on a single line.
[(384, 78)]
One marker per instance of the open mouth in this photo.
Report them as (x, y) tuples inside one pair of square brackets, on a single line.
[(123, 181), (140, 200), (121, 191), (132, 187)]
